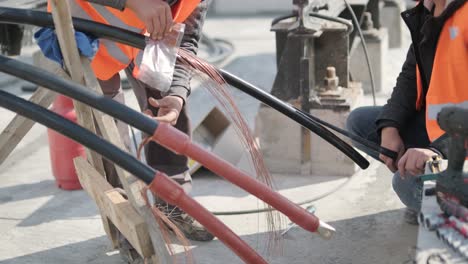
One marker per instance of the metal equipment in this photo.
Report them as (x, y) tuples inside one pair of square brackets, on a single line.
[(312, 50), (451, 188)]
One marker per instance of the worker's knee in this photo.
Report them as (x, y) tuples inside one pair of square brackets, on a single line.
[(358, 120), (408, 190), (361, 121)]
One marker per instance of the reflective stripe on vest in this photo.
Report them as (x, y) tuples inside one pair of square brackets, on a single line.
[(138, 60), (449, 79), (434, 109)]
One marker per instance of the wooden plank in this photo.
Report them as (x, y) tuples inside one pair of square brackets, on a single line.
[(114, 206), (20, 126), (110, 133), (131, 185), (65, 34)]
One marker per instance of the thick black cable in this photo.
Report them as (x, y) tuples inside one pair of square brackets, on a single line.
[(78, 134), (292, 113), (71, 89), (373, 146), (43, 19)]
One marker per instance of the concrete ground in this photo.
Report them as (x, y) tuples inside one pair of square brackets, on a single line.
[(40, 223)]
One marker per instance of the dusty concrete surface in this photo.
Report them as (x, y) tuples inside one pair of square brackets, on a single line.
[(42, 224)]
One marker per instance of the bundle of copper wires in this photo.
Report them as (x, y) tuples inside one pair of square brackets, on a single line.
[(218, 87), (165, 223)]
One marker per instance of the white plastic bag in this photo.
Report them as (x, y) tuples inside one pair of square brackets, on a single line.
[(159, 58)]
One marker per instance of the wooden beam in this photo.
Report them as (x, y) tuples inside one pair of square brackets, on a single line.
[(108, 128), (131, 185), (66, 37), (20, 126), (114, 206)]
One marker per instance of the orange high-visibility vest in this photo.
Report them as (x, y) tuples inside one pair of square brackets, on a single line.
[(113, 57), (449, 79)]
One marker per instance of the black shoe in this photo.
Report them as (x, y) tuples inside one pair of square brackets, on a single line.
[(411, 216), (190, 227)]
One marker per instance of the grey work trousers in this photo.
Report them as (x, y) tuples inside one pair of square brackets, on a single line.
[(362, 122), (157, 156)]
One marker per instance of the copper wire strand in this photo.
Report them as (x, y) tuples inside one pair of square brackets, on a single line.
[(218, 87), (164, 223), (142, 144)]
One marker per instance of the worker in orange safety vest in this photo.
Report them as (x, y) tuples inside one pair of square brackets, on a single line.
[(434, 76), (155, 18)]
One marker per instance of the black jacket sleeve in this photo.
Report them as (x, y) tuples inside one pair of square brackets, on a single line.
[(402, 104), (193, 31), (117, 4)]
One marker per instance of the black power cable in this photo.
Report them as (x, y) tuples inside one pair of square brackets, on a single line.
[(73, 90), (78, 134), (130, 164), (43, 19), (294, 114), (371, 145)]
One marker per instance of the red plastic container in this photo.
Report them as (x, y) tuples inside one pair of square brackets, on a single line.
[(63, 150)]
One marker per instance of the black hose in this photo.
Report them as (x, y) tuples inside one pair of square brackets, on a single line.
[(292, 113), (78, 134), (371, 145), (43, 19), (71, 89)]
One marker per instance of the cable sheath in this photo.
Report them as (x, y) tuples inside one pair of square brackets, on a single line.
[(43, 19)]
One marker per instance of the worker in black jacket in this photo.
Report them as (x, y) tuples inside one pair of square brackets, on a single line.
[(400, 125)]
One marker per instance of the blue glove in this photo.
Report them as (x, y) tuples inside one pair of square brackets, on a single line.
[(48, 42)]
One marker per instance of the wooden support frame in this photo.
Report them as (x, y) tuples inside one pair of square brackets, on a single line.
[(80, 70), (115, 207), (66, 38), (20, 126), (117, 213)]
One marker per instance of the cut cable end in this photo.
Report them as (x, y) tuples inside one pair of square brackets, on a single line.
[(325, 230)]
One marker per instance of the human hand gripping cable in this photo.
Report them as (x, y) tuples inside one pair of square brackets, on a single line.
[(391, 140), (414, 161), (156, 14)]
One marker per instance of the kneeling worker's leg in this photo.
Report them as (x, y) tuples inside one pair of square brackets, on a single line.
[(361, 122)]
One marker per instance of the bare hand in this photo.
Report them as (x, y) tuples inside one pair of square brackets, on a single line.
[(169, 109), (391, 140), (414, 161), (156, 14)]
